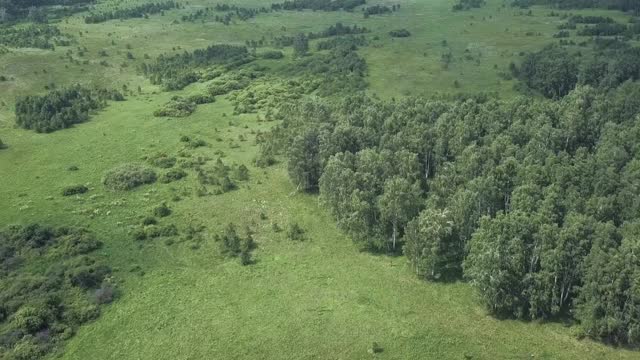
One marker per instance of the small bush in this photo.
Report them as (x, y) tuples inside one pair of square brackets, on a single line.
[(295, 232), (172, 175), (177, 107), (73, 168), (400, 33), (162, 210), (274, 54), (2, 145), (74, 190), (149, 220), (128, 176)]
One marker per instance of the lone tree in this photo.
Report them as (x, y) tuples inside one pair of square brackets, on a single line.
[(300, 45)]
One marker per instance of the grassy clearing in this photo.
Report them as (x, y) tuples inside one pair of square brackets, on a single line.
[(320, 298)]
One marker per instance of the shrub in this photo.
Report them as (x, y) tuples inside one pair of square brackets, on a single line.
[(177, 107), (274, 54), (161, 210), (2, 145), (172, 175), (295, 232), (200, 99), (400, 33), (128, 176), (149, 220), (104, 295), (73, 168), (74, 190)]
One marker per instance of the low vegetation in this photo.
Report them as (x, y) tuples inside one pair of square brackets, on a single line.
[(128, 176)]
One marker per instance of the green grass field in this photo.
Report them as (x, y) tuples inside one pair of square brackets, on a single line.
[(317, 299)]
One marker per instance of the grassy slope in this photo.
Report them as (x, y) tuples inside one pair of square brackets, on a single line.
[(317, 299)]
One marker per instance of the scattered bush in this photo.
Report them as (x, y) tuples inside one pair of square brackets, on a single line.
[(273, 54), (128, 176), (74, 190), (400, 33)]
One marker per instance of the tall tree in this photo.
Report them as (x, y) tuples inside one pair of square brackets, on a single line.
[(398, 204)]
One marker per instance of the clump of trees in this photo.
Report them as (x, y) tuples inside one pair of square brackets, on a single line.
[(39, 303), (60, 109), (128, 176), (139, 11), (531, 201), (468, 5), (174, 72), (234, 245), (379, 10), (555, 71), (42, 36)]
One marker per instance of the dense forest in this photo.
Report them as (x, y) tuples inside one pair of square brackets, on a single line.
[(133, 12), (532, 201)]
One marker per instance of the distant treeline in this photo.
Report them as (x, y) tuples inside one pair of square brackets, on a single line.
[(60, 109), (623, 5), (179, 70), (326, 5), (134, 12), (468, 5), (18, 9), (334, 30)]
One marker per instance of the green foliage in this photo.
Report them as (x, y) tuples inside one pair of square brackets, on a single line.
[(177, 71), (326, 5), (134, 12), (295, 232), (400, 33), (39, 304), (40, 36), (172, 175), (300, 45), (74, 190), (60, 109), (161, 210), (128, 176), (177, 107), (162, 160), (468, 5), (431, 247), (233, 245), (552, 71)]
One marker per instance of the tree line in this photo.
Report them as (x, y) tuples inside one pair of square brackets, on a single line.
[(333, 30), (134, 12), (60, 109), (622, 5), (326, 5), (534, 202)]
